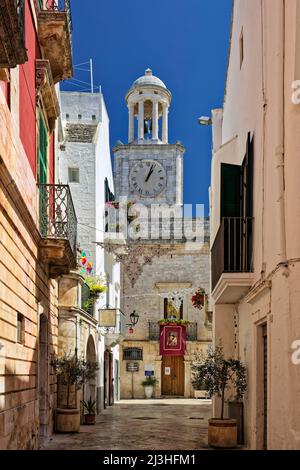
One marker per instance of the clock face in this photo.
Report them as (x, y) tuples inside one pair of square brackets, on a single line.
[(147, 178)]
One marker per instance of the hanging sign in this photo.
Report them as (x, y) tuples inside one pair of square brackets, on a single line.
[(132, 366)]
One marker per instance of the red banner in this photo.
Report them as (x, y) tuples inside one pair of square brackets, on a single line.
[(172, 340)]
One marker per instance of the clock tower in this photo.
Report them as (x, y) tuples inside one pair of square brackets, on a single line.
[(148, 169)]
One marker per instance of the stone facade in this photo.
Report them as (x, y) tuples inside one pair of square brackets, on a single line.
[(84, 146), (186, 266), (256, 311), (177, 271), (77, 330)]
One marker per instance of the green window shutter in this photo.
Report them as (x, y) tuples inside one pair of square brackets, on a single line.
[(43, 152), (230, 190)]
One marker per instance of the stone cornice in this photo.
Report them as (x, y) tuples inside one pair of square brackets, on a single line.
[(135, 146)]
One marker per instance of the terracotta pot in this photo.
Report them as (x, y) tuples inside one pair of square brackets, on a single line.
[(67, 420), (89, 419), (222, 433)]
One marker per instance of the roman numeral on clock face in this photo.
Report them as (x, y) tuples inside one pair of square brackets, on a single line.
[(147, 178)]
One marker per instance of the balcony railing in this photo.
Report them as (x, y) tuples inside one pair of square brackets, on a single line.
[(154, 331), (58, 6), (12, 33), (58, 226), (55, 34), (232, 248)]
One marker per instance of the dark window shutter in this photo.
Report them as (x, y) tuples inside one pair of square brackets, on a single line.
[(43, 152), (165, 308), (230, 190)]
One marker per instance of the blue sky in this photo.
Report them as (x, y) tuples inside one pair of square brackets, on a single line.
[(184, 42)]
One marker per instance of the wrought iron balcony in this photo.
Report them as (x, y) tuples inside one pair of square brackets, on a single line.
[(232, 248), (12, 33), (58, 228), (55, 35), (154, 331)]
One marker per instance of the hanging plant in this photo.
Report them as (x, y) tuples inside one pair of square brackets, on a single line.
[(95, 285), (198, 298)]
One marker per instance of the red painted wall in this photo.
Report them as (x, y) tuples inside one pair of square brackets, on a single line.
[(27, 91)]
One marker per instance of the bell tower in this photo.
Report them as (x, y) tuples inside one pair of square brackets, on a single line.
[(148, 169), (148, 100)]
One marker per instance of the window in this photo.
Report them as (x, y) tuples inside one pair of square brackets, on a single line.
[(133, 354), (94, 117), (79, 116), (67, 116), (241, 48), (20, 329), (73, 175), (172, 312), (109, 196)]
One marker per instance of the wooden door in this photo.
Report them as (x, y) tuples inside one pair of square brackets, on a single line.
[(111, 379), (106, 379), (172, 376), (265, 386)]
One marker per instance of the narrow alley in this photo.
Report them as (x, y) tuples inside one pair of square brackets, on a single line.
[(165, 424)]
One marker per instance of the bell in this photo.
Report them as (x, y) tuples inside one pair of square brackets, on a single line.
[(146, 127)]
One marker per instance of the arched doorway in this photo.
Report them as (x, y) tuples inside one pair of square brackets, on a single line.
[(90, 387), (43, 378)]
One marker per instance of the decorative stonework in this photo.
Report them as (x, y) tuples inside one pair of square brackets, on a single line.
[(134, 256), (45, 89)]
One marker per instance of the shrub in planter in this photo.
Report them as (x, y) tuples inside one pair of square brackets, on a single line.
[(90, 409), (72, 373), (148, 385), (95, 285), (217, 374), (173, 321)]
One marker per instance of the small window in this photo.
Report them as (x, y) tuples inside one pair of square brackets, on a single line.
[(73, 175), (20, 329), (67, 116), (133, 354), (94, 117), (170, 311), (241, 48), (79, 116)]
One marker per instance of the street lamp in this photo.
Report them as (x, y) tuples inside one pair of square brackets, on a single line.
[(134, 318), (205, 121)]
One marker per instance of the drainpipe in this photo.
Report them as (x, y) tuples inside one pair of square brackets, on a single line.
[(280, 148)]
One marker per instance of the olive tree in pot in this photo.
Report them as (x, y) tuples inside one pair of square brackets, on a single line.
[(218, 375), (72, 373)]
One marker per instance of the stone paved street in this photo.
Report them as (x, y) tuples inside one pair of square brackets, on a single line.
[(170, 424)]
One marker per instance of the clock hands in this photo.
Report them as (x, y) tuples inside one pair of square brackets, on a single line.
[(150, 173)]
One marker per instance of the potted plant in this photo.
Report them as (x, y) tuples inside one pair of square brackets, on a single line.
[(148, 385), (173, 321), (72, 373), (218, 375), (90, 408), (198, 298), (95, 285)]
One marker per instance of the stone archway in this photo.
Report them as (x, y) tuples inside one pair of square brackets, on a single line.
[(90, 387)]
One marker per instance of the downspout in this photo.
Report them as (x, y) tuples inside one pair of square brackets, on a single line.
[(280, 149)]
